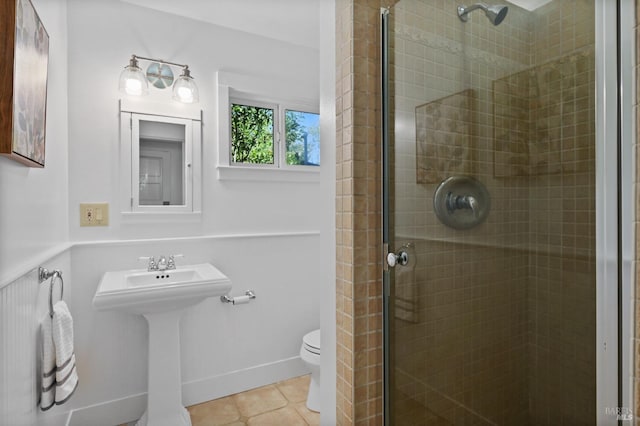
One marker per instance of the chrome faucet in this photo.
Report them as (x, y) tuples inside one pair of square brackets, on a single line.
[(162, 264), (473, 205), (455, 202), (152, 265), (171, 263)]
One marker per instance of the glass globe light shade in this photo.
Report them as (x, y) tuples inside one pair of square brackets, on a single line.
[(132, 80), (185, 89)]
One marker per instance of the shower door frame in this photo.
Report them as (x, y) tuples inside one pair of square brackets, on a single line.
[(614, 213), (627, 166)]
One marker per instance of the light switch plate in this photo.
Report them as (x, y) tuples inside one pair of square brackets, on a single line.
[(96, 214)]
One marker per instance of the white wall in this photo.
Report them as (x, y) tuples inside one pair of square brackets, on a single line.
[(264, 235), (225, 348), (33, 232), (33, 202), (102, 36), (23, 303), (328, 221)]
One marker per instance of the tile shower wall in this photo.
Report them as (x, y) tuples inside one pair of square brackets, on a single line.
[(561, 294), (464, 357), (482, 287), (358, 219), (496, 304)]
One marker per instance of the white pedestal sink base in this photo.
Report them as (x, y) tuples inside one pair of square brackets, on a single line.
[(161, 297), (164, 394)]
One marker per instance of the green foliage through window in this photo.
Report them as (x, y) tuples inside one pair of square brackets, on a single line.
[(251, 134), (253, 141)]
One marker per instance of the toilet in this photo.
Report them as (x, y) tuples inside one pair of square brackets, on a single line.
[(310, 354)]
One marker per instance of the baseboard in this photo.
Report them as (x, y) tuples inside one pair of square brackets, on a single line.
[(130, 408), (226, 384)]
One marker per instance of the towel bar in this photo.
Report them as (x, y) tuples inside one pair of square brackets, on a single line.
[(43, 275)]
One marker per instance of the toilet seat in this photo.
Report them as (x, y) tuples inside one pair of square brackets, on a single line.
[(311, 342)]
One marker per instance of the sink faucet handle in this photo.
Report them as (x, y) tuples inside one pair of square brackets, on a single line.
[(152, 266), (162, 263), (171, 263)]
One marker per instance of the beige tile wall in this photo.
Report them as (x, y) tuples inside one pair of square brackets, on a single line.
[(464, 360), (476, 325), (562, 386), (358, 216), (499, 303)]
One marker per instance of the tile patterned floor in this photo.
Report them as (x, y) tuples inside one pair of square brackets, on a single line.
[(282, 403)]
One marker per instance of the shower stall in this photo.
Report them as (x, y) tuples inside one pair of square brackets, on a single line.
[(501, 213)]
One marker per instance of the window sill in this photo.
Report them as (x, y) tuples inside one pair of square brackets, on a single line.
[(257, 174), (161, 217)]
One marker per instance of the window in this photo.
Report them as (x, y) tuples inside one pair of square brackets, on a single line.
[(252, 130), (268, 129), (270, 135), (302, 133)]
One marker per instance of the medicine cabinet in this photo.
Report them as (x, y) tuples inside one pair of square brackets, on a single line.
[(160, 163)]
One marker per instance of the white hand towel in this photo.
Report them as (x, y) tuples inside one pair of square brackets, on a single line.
[(66, 374), (48, 389)]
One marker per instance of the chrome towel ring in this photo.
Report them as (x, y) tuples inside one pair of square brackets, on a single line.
[(43, 275)]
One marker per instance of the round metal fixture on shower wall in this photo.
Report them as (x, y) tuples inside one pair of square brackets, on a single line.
[(495, 13), (461, 202)]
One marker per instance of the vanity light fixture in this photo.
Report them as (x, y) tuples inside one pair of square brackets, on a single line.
[(134, 82), (185, 89), (132, 79)]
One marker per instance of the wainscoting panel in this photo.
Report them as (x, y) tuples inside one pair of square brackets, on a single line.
[(18, 334), (23, 303)]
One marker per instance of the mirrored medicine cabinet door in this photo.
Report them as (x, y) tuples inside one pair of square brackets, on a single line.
[(160, 163)]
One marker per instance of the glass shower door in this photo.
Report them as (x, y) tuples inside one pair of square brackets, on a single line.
[(491, 189)]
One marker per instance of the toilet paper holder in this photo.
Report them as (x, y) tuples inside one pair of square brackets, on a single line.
[(238, 300)]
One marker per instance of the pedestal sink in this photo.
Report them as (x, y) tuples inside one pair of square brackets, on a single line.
[(161, 297)]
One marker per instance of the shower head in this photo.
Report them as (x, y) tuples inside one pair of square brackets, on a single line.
[(496, 13)]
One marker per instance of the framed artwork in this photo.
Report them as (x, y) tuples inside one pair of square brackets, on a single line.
[(24, 57), (445, 131)]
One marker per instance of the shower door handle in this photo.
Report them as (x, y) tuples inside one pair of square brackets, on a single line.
[(402, 258)]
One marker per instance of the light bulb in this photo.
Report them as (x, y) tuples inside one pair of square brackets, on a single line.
[(133, 87), (132, 79), (185, 89), (185, 94)]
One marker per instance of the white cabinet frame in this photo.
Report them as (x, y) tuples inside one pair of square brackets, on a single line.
[(130, 164)]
